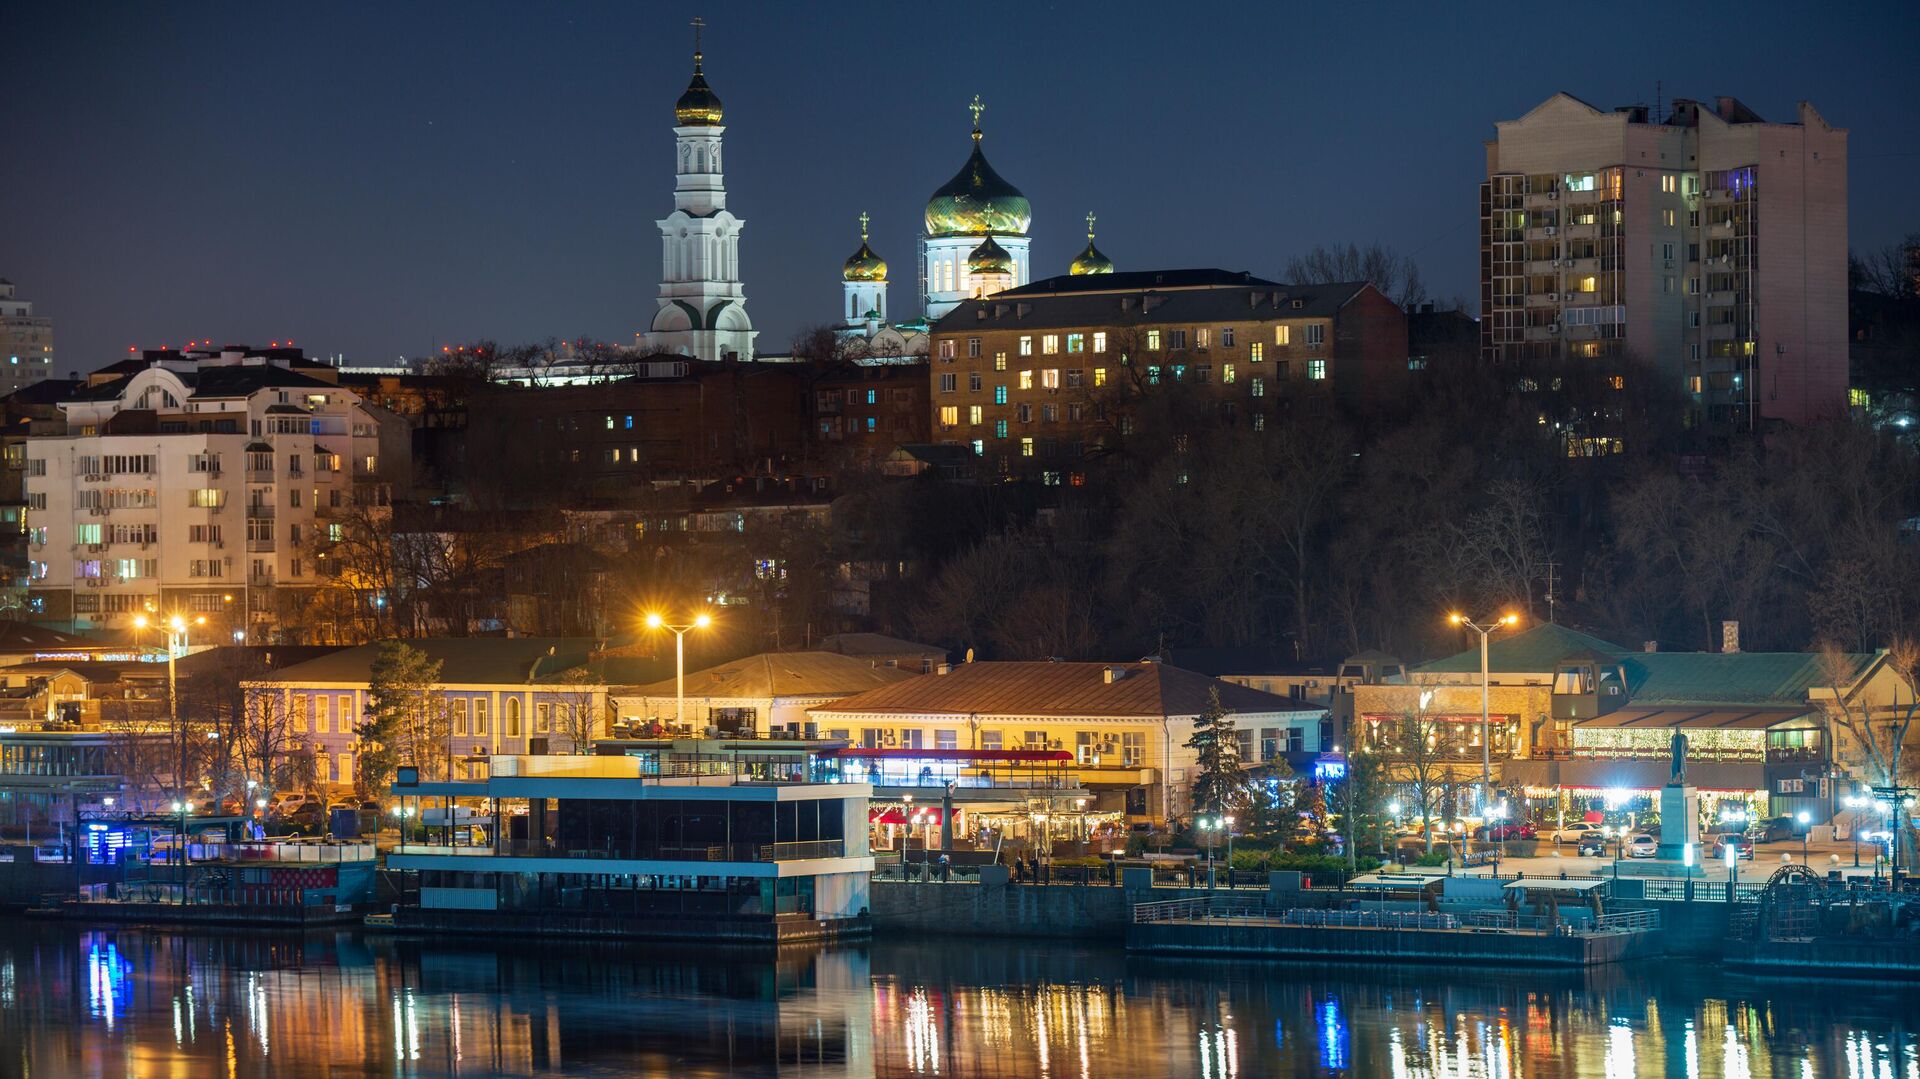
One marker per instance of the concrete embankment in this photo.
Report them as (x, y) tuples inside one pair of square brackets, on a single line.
[(1362, 945), (783, 930)]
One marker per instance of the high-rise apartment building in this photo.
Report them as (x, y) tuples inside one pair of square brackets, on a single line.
[(26, 342), (200, 483), (1711, 245)]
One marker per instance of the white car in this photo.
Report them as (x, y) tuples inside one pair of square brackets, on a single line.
[(1642, 845), (1574, 833)]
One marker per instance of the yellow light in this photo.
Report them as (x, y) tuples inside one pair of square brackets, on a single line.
[(1511, 620), (178, 623), (1455, 618), (702, 621), (200, 621), (654, 621), (140, 621)]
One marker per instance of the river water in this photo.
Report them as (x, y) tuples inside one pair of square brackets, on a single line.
[(76, 1001)]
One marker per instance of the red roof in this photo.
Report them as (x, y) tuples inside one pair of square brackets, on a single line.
[(1075, 690), (1025, 755)]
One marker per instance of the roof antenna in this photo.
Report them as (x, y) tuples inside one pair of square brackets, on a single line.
[(1659, 96)]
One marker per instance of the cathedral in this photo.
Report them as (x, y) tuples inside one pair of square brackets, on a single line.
[(702, 305), (975, 244)]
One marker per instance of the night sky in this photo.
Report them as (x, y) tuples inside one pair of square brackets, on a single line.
[(375, 180)]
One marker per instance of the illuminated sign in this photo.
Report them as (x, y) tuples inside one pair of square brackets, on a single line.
[(1330, 769)]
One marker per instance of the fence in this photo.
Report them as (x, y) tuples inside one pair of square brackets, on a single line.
[(1704, 891), (1202, 909)]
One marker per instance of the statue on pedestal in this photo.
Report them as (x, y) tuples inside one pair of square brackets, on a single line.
[(1679, 749)]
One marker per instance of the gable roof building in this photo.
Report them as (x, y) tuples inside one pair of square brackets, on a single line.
[(763, 694)]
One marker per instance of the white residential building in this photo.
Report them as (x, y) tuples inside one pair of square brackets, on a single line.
[(26, 342), (205, 483)]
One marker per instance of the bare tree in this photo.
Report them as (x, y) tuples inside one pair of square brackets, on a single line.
[(1427, 754), (1876, 732), (1893, 270), (1394, 274), (579, 707)]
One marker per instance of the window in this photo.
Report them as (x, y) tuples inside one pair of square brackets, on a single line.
[(1026, 380), (999, 395), (512, 722), (1669, 183), (950, 415), (1000, 361), (1226, 372), (1666, 250), (206, 498), (480, 710), (1693, 288), (1316, 334), (1667, 218), (1666, 284), (1076, 342), (322, 714), (1050, 378), (949, 382), (1049, 413), (1099, 376), (974, 414), (1026, 346), (1226, 337), (1203, 338), (1256, 351), (973, 381), (1316, 369), (946, 738), (1282, 335), (973, 348), (1257, 386), (542, 718), (999, 428), (1026, 447), (1050, 344), (1153, 340), (991, 740), (1176, 339), (1100, 341), (1024, 413), (81, 534), (873, 397), (910, 738), (946, 350), (1589, 284), (1073, 378)]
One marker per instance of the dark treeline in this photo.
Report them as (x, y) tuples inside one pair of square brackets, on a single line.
[(1323, 536)]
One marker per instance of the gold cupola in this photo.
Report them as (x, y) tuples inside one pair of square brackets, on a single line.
[(864, 265), (699, 106), (1090, 261), (977, 202), (990, 259)]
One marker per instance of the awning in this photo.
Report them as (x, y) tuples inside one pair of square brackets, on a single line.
[(1550, 884), (929, 815), (1724, 718), (961, 756), (1407, 882)]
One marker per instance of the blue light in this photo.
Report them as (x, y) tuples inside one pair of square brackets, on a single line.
[(1329, 770), (1333, 1036)]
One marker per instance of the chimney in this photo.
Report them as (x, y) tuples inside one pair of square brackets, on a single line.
[(1110, 675), (942, 668), (1649, 646), (1730, 637)]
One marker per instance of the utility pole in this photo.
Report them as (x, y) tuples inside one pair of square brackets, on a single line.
[(1486, 727)]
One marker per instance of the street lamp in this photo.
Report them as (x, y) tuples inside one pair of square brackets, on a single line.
[(1803, 817), (1229, 827), (1486, 732), (176, 627), (700, 621)]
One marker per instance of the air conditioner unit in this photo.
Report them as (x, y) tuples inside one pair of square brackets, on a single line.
[(1555, 328), (1551, 231), (1553, 196), (1553, 297), (95, 477), (96, 547)]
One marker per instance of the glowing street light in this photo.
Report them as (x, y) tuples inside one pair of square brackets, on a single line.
[(1506, 621), (700, 621)]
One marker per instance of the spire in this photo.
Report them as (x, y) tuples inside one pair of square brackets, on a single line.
[(698, 24), (1090, 226), (1091, 261), (976, 108), (863, 227), (699, 106)]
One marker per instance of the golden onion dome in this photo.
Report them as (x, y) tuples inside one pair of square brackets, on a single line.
[(989, 259), (977, 201), (699, 106), (1091, 261), (864, 265)]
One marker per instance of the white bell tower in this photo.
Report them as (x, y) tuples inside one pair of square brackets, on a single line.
[(703, 306)]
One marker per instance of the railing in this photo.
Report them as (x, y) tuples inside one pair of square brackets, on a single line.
[(1368, 919), (1205, 908), (698, 852), (1704, 891), (813, 848), (1627, 921), (310, 853)]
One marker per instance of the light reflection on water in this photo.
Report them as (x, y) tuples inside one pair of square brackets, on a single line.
[(131, 1002)]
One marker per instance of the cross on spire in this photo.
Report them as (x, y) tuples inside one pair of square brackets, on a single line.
[(1089, 226), (863, 226), (698, 25), (976, 108)]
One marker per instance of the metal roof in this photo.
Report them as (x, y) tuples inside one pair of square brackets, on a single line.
[(1143, 690), (781, 674), (1698, 718)]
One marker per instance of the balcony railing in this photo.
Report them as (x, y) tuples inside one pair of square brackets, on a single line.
[(699, 852)]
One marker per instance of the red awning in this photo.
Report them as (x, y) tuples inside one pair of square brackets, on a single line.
[(894, 815), (960, 756)]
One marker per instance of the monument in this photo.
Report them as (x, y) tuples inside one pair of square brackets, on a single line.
[(1679, 808)]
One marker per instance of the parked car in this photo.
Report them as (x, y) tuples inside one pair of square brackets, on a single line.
[(1574, 833), (1642, 845), (1594, 844), (1739, 840), (1774, 830), (1494, 833)]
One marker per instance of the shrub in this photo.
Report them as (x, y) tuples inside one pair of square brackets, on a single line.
[(1433, 858), (1136, 844)]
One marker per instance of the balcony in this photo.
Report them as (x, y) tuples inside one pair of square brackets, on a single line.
[(682, 851), (260, 511), (261, 578), (259, 475), (259, 546)]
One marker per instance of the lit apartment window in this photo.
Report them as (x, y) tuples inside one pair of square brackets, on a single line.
[(979, 448), (1316, 369), (1259, 421), (1099, 376), (1100, 341), (1668, 217), (1076, 342), (1000, 361), (1050, 378), (1203, 338), (999, 428), (1226, 372), (1026, 447), (1026, 346), (1258, 386), (950, 416), (1693, 384), (1153, 340), (1256, 351), (974, 414), (1669, 183), (946, 350), (1026, 380), (1589, 284), (1578, 182), (999, 395), (1283, 335), (1050, 344), (209, 498), (1316, 334)]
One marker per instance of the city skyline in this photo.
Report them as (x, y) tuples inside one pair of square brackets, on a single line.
[(308, 208)]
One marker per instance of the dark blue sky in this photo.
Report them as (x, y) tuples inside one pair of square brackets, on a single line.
[(372, 179)]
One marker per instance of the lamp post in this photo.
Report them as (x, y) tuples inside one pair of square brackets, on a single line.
[(1486, 731), (1805, 830), (176, 627), (1229, 828), (700, 621)]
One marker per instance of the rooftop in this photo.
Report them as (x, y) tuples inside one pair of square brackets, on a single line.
[(463, 660), (1148, 298), (783, 674), (1143, 690), (876, 644)]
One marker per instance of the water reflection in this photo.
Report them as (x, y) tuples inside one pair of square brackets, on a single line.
[(130, 1002)]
